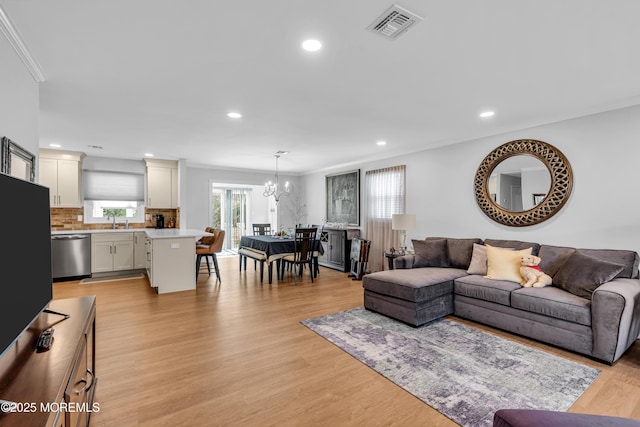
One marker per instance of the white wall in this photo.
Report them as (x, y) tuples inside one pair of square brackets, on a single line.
[(602, 212), (19, 101), (198, 191)]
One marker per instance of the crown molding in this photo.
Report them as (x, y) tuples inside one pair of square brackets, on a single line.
[(13, 36)]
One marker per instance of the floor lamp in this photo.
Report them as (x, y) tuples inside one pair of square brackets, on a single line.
[(403, 222)]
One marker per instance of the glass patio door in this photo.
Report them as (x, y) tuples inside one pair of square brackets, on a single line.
[(229, 212)]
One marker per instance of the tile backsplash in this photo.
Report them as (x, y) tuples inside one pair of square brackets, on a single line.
[(67, 219)]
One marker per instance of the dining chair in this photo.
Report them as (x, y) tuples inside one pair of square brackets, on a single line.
[(261, 229), (208, 247), (359, 257), (316, 252), (304, 248), (258, 230)]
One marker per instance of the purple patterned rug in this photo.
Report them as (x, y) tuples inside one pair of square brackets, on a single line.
[(462, 372)]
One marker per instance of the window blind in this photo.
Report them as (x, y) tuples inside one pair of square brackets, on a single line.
[(106, 185), (385, 197)]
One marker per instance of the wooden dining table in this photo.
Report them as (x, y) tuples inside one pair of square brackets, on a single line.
[(272, 248)]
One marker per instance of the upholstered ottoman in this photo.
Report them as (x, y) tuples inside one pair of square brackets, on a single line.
[(536, 418), (410, 295)]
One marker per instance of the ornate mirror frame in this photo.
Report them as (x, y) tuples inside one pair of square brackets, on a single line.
[(10, 151), (561, 182)]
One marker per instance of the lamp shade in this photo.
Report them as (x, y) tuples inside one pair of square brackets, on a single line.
[(403, 221)]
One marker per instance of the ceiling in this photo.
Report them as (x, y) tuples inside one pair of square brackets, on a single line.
[(159, 76)]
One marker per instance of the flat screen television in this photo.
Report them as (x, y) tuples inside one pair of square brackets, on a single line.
[(26, 285)]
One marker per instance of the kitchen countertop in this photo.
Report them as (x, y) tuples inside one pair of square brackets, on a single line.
[(153, 233)]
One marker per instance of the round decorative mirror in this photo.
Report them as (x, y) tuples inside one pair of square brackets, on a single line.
[(523, 182)]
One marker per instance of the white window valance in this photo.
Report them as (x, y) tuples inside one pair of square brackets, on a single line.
[(107, 185)]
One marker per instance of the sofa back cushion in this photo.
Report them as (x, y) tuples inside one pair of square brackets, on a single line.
[(459, 251), (581, 274), (553, 257), (430, 253), (515, 244), (629, 259)]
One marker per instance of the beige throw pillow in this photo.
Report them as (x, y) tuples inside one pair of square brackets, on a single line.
[(478, 264), (504, 265)]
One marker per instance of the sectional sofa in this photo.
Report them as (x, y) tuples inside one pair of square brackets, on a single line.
[(592, 308)]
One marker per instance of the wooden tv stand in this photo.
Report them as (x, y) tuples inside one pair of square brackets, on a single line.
[(55, 388)]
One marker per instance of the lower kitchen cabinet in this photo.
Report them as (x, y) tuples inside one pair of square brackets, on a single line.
[(111, 252), (139, 250), (171, 263)]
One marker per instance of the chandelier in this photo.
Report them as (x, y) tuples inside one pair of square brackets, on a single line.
[(272, 188)]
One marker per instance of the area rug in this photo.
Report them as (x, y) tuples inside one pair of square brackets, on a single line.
[(462, 372)]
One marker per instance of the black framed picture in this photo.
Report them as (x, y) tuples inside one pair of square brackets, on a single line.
[(343, 198), (537, 198), (16, 161)]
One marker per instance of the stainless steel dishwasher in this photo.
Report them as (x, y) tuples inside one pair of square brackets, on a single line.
[(71, 255)]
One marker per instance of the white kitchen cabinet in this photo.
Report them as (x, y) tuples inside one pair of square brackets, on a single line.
[(139, 249), (111, 252), (162, 184), (172, 266), (149, 248), (61, 172)]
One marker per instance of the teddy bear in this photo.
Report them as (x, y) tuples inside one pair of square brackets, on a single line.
[(532, 274)]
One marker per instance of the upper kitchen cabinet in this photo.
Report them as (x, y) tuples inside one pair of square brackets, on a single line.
[(61, 172), (162, 184)]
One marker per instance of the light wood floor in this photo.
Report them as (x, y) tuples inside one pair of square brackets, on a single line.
[(236, 354)]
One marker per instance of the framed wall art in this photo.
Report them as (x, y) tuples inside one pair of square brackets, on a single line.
[(16, 161), (343, 198)]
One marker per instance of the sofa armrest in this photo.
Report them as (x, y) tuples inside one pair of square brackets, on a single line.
[(403, 261), (615, 318)]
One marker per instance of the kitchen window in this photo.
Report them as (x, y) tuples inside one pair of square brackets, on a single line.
[(113, 194), (103, 211)]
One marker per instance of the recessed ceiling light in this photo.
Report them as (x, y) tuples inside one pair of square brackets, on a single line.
[(234, 115), (311, 45), (487, 114), (381, 143), (148, 154), (55, 145)]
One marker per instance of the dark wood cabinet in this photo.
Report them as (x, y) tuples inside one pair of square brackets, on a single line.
[(56, 387), (336, 243)]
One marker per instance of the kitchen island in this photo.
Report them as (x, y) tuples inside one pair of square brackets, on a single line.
[(170, 254), (171, 258)]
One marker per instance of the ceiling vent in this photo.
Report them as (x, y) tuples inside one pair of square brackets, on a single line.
[(394, 22)]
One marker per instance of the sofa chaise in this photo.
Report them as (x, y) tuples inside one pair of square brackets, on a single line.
[(592, 308)]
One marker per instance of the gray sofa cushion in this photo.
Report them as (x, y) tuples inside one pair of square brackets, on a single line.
[(430, 253), (498, 291), (553, 302), (552, 258), (629, 259), (515, 244), (582, 274), (459, 251), (415, 284)]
